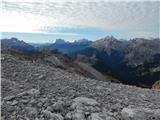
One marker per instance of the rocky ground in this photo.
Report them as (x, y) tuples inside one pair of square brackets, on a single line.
[(33, 90)]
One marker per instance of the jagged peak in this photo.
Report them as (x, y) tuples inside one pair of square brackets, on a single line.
[(60, 41), (82, 40), (14, 39), (109, 38), (105, 42)]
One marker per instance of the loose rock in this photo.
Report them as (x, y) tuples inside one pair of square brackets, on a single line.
[(140, 114)]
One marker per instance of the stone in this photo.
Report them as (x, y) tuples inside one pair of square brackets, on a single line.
[(85, 108), (41, 77), (10, 108), (33, 92), (140, 113), (97, 116), (53, 116), (68, 116), (9, 98), (100, 116), (2, 58), (24, 101), (78, 116), (86, 101), (14, 102), (87, 114), (58, 106), (77, 106), (15, 74), (49, 108), (31, 111)]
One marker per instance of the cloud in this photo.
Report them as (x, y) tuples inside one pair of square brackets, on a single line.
[(50, 16)]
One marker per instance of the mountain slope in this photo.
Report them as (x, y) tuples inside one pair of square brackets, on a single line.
[(35, 90), (68, 47), (134, 62), (52, 56), (17, 45)]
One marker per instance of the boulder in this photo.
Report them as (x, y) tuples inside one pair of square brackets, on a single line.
[(140, 114), (78, 116), (86, 101), (58, 106), (97, 116), (100, 116), (53, 116), (32, 111), (156, 86), (32, 92)]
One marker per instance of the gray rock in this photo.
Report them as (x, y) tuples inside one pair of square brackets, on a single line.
[(31, 92), (84, 108), (77, 106), (78, 116), (24, 101), (41, 77), (97, 116), (75, 116), (7, 98), (100, 116), (140, 113), (53, 115), (10, 108), (58, 106), (15, 74), (86, 101), (31, 111), (54, 60), (14, 102), (49, 108), (68, 116)]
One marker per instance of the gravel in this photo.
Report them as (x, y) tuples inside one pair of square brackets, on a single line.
[(37, 91)]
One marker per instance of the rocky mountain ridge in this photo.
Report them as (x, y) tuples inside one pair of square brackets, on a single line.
[(17, 45), (133, 62)]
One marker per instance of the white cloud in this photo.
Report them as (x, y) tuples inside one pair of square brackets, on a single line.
[(48, 15)]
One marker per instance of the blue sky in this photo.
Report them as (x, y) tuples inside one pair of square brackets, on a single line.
[(75, 34), (47, 20)]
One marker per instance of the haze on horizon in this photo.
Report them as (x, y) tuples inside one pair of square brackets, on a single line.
[(35, 21)]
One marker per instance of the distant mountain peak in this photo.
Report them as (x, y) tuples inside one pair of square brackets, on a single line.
[(16, 44), (14, 39), (106, 42), (60, 41), (110, 38), (82, 40)]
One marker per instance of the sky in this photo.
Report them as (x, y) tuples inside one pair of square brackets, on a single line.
[(46, 20)]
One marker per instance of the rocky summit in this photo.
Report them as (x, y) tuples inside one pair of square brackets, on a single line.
[(35, 90), (133, 62)]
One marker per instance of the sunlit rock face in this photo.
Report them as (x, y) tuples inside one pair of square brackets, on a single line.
[(156, 86)]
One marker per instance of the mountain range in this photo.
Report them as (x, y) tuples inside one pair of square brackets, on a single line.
[(85, 84), (18, 45), (52, 87), (134, 62)]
